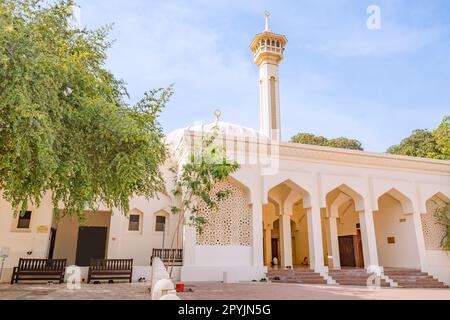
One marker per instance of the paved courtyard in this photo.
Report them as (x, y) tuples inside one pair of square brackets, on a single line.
[(216, 291)]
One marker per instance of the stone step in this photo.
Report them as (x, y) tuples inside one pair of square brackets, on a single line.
[(304, 281), (412, 278), (304, 276), (425, 286)]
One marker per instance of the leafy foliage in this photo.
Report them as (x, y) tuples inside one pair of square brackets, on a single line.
[(420, 143), (342, 142), (442, 215), (442, 137), (64, 124), (426, 144), (207, 165)]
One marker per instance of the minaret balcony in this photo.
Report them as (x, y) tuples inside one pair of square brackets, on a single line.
[(271, 49)]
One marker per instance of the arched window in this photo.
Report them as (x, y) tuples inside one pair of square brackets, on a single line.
[(135, 218), (278, 44), (273, 43), (263, 42)]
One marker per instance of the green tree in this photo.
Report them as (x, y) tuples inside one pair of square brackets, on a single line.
[(64, 124), (207, 165), (442, 216), (342, 142), (426, 144), (442, 137)]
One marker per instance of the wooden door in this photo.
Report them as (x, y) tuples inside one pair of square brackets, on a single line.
[(275, 249), (347, 251), (91, 245), (51, 249), (359, 256)]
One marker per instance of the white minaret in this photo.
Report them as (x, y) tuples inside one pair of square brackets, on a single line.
[(268, 48)]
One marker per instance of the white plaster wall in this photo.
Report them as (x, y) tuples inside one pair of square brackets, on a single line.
[(403, 253), (347, 221), (223, 255), (439, 264), (21, 242)]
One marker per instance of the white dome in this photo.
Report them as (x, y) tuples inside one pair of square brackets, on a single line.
[(225, 129)]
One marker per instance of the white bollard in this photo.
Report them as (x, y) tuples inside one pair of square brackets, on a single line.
[(163, 287)]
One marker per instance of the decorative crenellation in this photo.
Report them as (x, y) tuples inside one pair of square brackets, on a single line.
[(230, 225), (432, 231)]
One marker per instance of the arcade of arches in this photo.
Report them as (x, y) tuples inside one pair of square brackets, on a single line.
[(346, 229)]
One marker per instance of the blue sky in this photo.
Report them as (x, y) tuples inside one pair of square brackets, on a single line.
[(338, 78)]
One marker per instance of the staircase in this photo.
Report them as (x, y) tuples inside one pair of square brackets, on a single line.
[(354, 277), (304, 276), (413, 278)]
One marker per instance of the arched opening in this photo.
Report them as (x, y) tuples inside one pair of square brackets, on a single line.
[(285, 226), (343, 239), (395, 232), (433, 231), (299, 230)]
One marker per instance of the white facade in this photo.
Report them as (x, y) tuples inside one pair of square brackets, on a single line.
[(296, 202)]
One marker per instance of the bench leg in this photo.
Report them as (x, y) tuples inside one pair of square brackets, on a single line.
[(131, 275), (13, 277), (89, 276)]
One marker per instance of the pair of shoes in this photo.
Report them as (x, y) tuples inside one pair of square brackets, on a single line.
[(111, 281), (142, 279)]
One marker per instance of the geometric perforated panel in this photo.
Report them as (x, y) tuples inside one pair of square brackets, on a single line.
[(432, 231), (231, 224)]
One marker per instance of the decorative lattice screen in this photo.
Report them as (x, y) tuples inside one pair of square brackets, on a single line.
[(231, 224), (432, 232)]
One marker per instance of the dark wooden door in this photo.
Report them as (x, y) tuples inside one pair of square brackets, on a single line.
[(51, 249), (347, 251), (359, 256), (275, 249), (91, 244)]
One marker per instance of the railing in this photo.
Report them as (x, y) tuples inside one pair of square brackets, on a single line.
[(169, 256)]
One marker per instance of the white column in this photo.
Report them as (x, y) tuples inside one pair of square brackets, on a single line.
[(268, 244), (115, 234), (334, 241), (189, 243), (420, 241), (257, 234), (286, 241), (418, 230), (315, 239), (369, 241)]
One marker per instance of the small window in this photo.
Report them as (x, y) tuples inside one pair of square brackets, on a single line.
[(24, 220), (134, 222), (160, 223)]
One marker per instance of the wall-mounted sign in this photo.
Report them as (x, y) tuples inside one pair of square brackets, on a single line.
[(42, 229), (391, 240)]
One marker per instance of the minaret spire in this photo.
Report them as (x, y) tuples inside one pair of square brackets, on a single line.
[(268, 51), (267, 14)]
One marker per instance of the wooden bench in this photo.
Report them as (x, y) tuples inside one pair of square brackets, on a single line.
[(168, 256), (110, 269), (39, 269)]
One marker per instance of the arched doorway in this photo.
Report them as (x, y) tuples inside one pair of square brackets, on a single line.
[(395, 232), (344, 247), (285, 226)]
